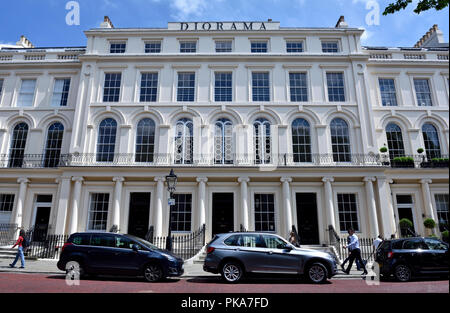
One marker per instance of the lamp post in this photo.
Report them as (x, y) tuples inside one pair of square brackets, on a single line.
[(171, 180)]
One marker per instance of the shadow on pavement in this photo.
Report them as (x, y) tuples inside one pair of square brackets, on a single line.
[(253, 280), (102, 278)]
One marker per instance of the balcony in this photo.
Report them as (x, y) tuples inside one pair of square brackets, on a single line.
[(204, 160), (415, 161)]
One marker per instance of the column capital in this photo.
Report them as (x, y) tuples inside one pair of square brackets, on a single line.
[(328, 179), (202, 179), (160, 179), (78, 179), (426, 181), (370, 179), (118, 179), (286, 179), (23, 180), (243, 179)]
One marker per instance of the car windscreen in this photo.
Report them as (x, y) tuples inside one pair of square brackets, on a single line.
[(144, 242)]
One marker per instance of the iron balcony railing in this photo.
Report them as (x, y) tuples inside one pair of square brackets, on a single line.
[(208, 160)]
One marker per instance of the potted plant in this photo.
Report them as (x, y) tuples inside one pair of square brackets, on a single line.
[(404, 162), (384, 156), (445, 236), (429, 224), (425, 163), (406, 227), (440, 162)]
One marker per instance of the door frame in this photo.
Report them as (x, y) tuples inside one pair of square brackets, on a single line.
[(37, 205), (416, 198), (317, 213), (235, 227), (128, 199), (221, 188), (137, 189)]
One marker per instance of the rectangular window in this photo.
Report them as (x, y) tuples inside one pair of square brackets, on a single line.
[(1, 89), (299, 87), (98, 211), (26, 94), (61, 92), (224, 46), (153, 47), (294, 46), (149, 87), (181, 213), (111, 91), (348, 211), (265, 212), (423, 92), (259, 47), (388, 93), (260, 86), (118, 47), (336, 89), (442, 209), (6, 203), (186, 87), (330, 46), (188, 46), (223, 89)]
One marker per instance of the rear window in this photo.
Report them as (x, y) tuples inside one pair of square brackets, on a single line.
[(103, 241), (80, 240)]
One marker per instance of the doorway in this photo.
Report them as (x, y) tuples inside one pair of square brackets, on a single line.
[(138, 220), (222, 213), (307, 220), (43, 208), (405, 206)]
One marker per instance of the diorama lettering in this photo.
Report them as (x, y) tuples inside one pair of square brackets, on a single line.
[(221, 26)]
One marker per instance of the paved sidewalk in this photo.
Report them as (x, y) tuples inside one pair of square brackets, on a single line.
[(49, 267)]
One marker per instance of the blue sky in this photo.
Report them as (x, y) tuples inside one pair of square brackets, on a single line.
[(44, 21)]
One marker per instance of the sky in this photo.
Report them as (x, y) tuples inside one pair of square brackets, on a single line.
[(44, 21)]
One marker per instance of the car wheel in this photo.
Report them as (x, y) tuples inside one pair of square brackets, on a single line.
[(74, 270), (317, 273), (402, 273), (153, 273), (232, 272)]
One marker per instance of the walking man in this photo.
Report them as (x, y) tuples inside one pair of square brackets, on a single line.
[(355, 252), (20, 244)]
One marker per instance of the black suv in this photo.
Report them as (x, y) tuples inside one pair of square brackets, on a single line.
[(409, 257), (117, 254)]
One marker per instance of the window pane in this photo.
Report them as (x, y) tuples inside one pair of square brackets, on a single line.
[(423, 92), (106, 141), (184, 142), (186, 87), (336, 89), (53, 146), (149, 87), (395, 141), (188, 46), (265, 212), (118, 47), (262, 141), (340, 140), (181, 213), (431, 140), (261, 87), (98, 215), (18, 142), (223, 142), (388, 93), (301, 139), (259, 46), (6, 203), (299, 87), (153, 47), (224, 46), (111, 91), (145, 141), (26, 95), (348, 212), (223, 90), (442, 208), (330, 46), (294, 46)]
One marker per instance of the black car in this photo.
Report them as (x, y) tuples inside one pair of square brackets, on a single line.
[(118, 254), (405, 258)]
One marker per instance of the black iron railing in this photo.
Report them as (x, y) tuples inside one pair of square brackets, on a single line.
[(8, 234), (365, 245), (44, 245), (185, 246)]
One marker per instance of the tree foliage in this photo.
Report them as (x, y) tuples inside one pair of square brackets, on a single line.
[(423, 5)]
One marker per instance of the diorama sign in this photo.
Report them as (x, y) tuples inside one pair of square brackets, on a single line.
[(223, 26)]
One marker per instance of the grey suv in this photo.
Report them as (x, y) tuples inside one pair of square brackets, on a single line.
[(235, 254)]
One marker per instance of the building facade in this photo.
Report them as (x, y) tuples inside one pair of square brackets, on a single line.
[(266, 127)]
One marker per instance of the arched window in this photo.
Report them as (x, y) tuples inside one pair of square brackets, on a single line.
[(262, 141), (395, 141), (223, 142), (301, 141), (18, 142), (106, 142), (184, 142), (55, 135), (431, 140), (145, 141), (340, 139)]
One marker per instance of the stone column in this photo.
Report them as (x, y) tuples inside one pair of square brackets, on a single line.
[(202, 199), (329, 202), (371, 206), (63, 205), (386, 207), (75, 204), (159, 206), (244, 201), (287, 202), (428, 202), (18, 216), (117, 200)]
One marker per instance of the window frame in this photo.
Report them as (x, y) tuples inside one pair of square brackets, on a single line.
[(224, 40), (231, 88), (188, 41), (194, 88), (157, 87), (116, 140), (397, 95), (65, 78), (329, 41), (344, 87), (118, 42), (275, 215), (269, 87), (191, 212), (90, 195), (19, 92), (112, 72), (359, 212), (265, 41), (307, 87), (153, 41), (53, 151)]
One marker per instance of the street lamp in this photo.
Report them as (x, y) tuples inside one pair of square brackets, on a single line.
[(171, 180)]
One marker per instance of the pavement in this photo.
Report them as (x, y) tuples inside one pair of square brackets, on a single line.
[(48, 267)]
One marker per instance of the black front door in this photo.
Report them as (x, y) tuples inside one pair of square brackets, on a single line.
[(41, 224), (139, 214), (307, 221), (406, 213), (222, 213)]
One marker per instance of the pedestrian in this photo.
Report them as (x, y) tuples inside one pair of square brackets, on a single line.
[(293, 240), (376, 243), (355, 252), (19, 244), (358, 266)]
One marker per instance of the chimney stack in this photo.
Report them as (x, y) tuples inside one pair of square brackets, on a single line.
[(24, 42), (341, 23), (107, 23)]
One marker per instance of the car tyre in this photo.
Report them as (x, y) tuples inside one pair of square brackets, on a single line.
[(153, 273), (402, 273), (317, 273), (232, 272)]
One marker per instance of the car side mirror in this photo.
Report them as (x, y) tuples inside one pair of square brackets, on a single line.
[(288, 247), (135, 248)]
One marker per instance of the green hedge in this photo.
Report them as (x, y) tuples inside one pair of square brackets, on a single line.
[(404, 159)]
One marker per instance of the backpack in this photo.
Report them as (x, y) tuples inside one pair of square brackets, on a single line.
[(25, 243)]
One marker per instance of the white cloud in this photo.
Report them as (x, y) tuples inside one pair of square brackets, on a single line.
[(187, 8)]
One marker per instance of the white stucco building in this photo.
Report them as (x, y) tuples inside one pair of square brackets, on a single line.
[(267, 127)]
